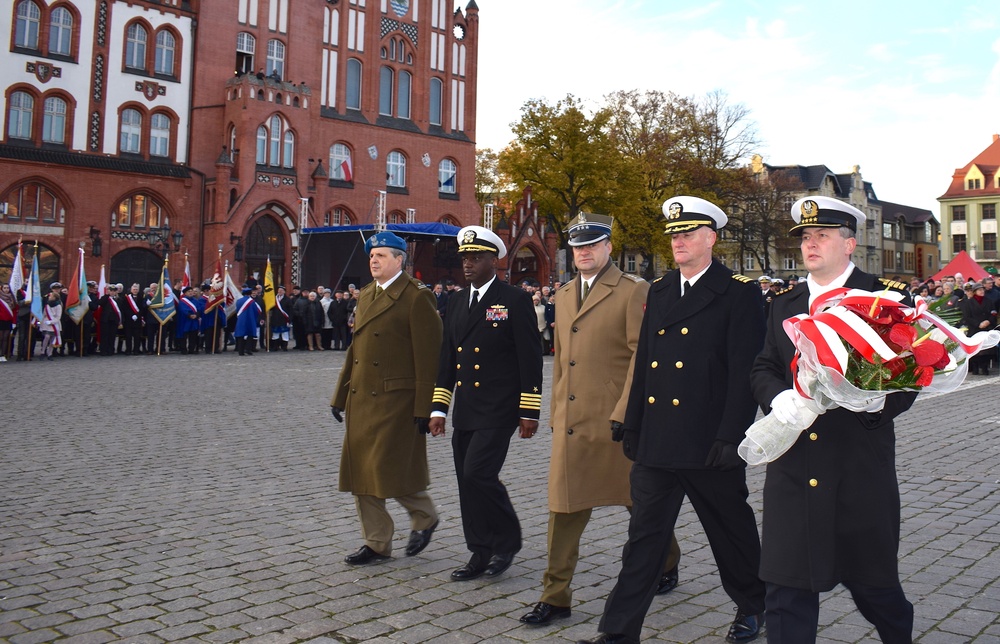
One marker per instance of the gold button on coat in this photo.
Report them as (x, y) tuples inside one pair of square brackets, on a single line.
[(477, 384), (813, 436), (679, 364), (460, 349), (813, 482), (676, 402), (661, 331), (684, 331), (459, 383), (655, 364), (652, 400), (476, 367)]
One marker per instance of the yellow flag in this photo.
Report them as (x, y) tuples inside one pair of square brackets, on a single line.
[(268, 287)]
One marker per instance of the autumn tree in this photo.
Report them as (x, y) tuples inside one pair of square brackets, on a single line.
[(567, 157)]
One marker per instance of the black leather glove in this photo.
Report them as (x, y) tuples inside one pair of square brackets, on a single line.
[(336, 411), (630, 443), (423, 425), (617, 431), (723, 456)]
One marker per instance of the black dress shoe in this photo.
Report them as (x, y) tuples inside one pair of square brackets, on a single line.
[(544, 613), (499, 563), (667, 582), (419, 540), (745, 628), (609, 638), (471, 570), (364, 555)]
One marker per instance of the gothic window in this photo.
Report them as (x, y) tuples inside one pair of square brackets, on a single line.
[(245, 44), (131, 131), (33, 202), (275, 59), (22, 106), (165, 47), (135, 47), (139, 211), (395, 167), (276, 144), (435, 101), (447, 171), (159, 135), (28, 20), (403, 98), (60, 32), (54, 120), (340, 162), (353, 84), (385, 91)]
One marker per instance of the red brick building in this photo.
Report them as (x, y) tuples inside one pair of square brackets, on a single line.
[(237, 123)]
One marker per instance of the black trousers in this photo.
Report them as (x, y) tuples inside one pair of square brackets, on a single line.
[(134, 338), (720, 500), (793, 613), (488, 518), (109, 335)]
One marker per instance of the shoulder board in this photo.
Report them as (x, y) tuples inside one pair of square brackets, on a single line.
[(634, 278), (742, 278), (784, 290), (899, 286), (420, 284), (658, 279)]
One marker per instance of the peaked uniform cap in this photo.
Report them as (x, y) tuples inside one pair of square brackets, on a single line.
[(687, 213), (824, 212), (476, 239), (586, 229)]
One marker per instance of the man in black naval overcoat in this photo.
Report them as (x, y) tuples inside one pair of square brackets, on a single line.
[(688, 409), (491, 358), (831, 502)]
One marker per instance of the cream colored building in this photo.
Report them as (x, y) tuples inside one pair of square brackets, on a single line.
[(969, 209)]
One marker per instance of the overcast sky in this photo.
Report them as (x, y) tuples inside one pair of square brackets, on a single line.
[(908, 91)]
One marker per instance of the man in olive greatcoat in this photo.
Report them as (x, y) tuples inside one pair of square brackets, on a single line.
[(831, 502), (689, 407), (385, 393), (596, 334)]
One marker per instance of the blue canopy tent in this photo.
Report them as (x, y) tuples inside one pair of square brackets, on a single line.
[(335, 255)]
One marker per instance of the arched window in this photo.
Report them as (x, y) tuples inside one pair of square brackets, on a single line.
[(159, 135), (22, 106), (61, 32), (396, 217), (48, 263), (447, 176), (288, 150), (274, 149), (340, 163), (340, 217), (135, 47), (54, 121), (165, 45), (33, 202), (403, 100), (395, 167), (28, 19), (276, 144), (261, 145), (131, 131), (385, 91), (245, 45), (275, 59), (139, 211), (435, 100), (353, 84)]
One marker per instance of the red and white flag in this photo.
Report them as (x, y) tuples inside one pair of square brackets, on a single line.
[(345, 167), (102, 284), (186, 280)]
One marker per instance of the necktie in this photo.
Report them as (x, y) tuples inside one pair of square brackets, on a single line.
[(378, 290), (586, 292), (687, 287), (475, 299)]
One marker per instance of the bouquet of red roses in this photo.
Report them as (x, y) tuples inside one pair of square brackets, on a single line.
[(855, 346)]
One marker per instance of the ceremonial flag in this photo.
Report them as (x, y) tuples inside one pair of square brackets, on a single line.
[(216, 294), (345, 168), (186, 280), (232, 294), (77, 299), (163, 305), (268, 287), (35, 289), (17, 272), (102, 284)]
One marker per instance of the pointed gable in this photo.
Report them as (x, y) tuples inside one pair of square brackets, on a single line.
[(982, 168)]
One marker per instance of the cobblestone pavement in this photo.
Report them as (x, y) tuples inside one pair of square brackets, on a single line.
[(148, 499)]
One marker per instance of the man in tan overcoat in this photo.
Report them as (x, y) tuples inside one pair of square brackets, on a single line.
[(385, 391), (598, 317)]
